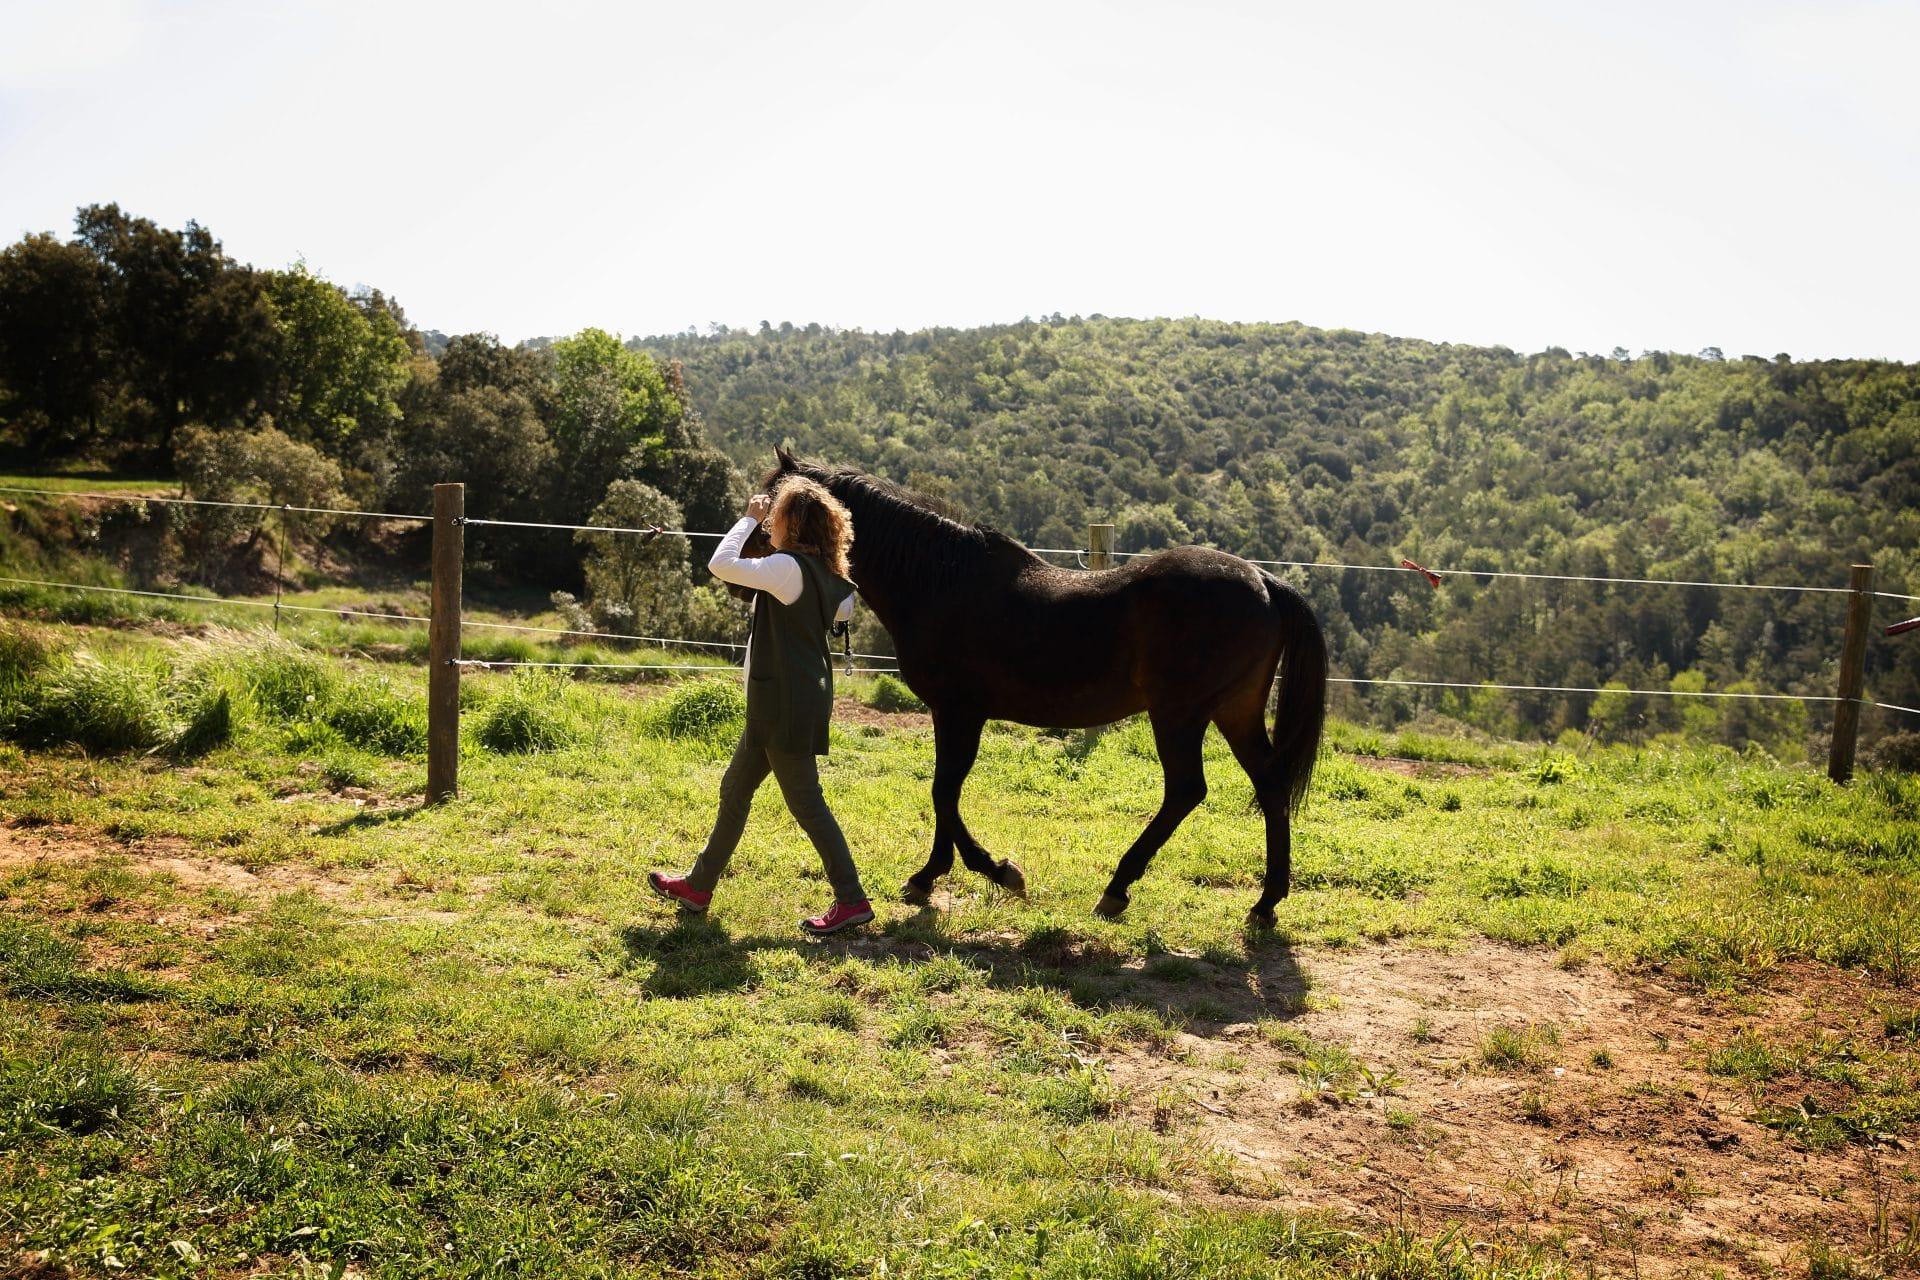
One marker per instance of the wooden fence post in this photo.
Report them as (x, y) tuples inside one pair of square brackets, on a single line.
[(1099, 546), (1853, 674), (443, 643)]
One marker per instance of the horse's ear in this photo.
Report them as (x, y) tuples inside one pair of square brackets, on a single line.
[(786, 460)]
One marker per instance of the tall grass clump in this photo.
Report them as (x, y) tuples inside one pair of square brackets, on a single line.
[(95, 705), (285, 681), (25, 651), (370, 713), (309, 693), (703, 709), (109, 707), (530, 714), (78, 1088)]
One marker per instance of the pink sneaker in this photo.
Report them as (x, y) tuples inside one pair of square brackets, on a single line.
[(843, 916), (675, 889)]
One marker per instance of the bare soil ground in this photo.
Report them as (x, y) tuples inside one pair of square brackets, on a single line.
[(1648, 1165), (21, 848)]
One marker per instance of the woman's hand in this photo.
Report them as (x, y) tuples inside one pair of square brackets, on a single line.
[(758, 506)]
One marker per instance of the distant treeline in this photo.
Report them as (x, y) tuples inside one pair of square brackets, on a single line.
[(133, 345), (142, 347), (1281, 441)]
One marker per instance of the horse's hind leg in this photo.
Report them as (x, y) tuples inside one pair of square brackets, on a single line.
[(1186, 786), (1243, 724), (919, 886), (956, 745)]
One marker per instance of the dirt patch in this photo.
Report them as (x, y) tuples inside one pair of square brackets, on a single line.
[(1607, 1135), (1407, 768), (24, 847), (851, 711)]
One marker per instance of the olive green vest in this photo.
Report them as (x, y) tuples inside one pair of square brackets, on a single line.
[(790, 680)]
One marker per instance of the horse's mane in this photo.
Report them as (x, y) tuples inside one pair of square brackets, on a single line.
[(907, 539)]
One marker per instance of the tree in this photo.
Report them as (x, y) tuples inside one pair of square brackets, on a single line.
[(620, 415), (340, 365), (192, 333), (609, 401), (264, 466), (53, 363), (635, 582)]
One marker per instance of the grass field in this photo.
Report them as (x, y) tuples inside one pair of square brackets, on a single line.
[(1527, 1012)]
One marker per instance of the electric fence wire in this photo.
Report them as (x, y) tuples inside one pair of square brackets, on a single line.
[(621, 635), (1078, 552), (628, 666), (595, 528), (353, 615), (210, 502), (1081, 554)]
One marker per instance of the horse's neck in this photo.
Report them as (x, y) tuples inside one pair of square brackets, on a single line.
[(906, 596), (906, 588)]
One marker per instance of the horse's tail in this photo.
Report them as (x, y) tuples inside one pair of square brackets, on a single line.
[(1301, 714)]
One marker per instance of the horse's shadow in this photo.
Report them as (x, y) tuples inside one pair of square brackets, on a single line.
[(1205, 993), (368, 818)]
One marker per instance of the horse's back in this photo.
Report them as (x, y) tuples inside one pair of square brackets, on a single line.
[(1200, 617), (1063, 647)]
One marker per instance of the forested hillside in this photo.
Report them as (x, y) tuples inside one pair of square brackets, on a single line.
[(1288, 442)]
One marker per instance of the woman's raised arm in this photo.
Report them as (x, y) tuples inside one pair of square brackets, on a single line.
[(777, 574)]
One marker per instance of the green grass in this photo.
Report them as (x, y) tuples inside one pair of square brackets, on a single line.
[(467, 1037), (88, 481), (1509, 1048)]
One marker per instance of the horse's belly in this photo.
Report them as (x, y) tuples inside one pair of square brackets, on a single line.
[(1067, 703)]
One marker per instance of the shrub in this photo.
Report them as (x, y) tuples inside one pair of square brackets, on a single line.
[(1896, 753), (636, 584), (1551, 770), (265, 466), (702, 709), (889, 694), (530, 714)]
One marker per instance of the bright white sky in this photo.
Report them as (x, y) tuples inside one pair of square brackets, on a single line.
[(1664, 175)]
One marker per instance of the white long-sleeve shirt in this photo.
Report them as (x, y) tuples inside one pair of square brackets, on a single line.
[(779, 574)]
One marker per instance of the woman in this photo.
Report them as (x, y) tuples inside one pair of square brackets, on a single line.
[(800, 590)]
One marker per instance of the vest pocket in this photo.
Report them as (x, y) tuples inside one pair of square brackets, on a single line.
[(763, 697)]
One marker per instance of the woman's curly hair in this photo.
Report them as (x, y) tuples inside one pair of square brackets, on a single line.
[(815, 521)]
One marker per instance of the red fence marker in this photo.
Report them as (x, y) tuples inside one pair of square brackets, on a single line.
[(1896, 628), (1432, 577)]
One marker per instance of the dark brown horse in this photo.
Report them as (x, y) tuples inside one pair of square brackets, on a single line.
[(985, 629)]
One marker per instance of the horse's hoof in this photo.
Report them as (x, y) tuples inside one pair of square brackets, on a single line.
[(1111, 906), (1260, 919), (1011, 880), (915, 895)]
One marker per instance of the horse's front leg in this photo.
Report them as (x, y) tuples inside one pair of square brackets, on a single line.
[(956, 745), (1179, 744)]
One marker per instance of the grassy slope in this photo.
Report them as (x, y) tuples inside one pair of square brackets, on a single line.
[(473, 1040)]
